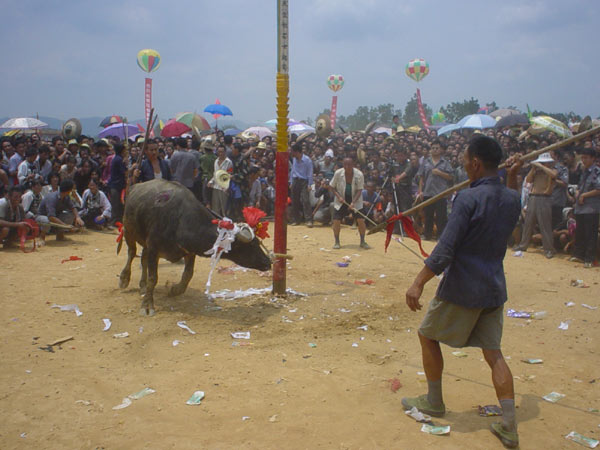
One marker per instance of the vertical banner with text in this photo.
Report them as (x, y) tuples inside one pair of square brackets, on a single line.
[(333, 115), (422, 110), (148, 98)]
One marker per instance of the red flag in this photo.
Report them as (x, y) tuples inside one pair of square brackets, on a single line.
[(409, 230)]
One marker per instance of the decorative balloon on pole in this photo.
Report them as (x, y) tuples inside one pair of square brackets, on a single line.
[(148, 60), (335, 83), (417, 69)]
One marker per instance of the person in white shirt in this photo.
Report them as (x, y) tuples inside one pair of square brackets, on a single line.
[(219, 193), (96, 210)]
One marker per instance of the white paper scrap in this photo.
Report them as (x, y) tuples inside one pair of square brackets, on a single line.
[(241, 335), (183, 325), (125, 404), (107, 324), (68, 308)]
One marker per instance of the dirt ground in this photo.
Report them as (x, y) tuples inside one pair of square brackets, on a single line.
[(276, 390)]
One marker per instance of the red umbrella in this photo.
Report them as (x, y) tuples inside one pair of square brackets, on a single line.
[(173, 128)]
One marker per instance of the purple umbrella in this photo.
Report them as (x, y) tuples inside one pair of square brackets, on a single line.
[(120, 130)]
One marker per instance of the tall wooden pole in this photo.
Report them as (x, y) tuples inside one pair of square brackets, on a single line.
[(282, 156)]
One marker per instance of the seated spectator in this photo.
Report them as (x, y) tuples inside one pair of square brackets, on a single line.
[(59, 208), (96, 209), (31, 201), (26, 170), (12, 216)]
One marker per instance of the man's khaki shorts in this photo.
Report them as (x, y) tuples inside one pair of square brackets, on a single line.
[(458, 326)]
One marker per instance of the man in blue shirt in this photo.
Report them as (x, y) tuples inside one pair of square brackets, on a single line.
[(302, 180), (467, 310)]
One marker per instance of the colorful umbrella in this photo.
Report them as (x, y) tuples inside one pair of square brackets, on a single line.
[(384, 130), (193, 120), (261, 132), (217, 108), (477, 121), (232, 132), (23, 123), (120, 130), (173, 128), (110, 120), (273, 122), (550, 124)]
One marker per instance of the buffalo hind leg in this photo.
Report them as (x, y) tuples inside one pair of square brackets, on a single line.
[(147, 308), (126, 272), (144, 277), (188, 273)]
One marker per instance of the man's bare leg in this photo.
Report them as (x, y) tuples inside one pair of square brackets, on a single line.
[(336, 226)]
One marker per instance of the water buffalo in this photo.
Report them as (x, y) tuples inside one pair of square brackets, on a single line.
[(165, 218)]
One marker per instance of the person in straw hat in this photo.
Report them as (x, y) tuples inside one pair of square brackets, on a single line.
[(539, 206)]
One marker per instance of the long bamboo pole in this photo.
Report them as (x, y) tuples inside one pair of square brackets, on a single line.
[(456, 187), (282, 155)]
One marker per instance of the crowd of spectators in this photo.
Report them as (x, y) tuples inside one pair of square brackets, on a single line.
[(84, 180)]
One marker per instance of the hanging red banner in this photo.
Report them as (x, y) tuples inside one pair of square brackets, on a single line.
[(333, 115), (422, 110), (148, 98)]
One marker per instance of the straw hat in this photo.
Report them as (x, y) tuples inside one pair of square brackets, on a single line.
[(222, 178), (544, 158)]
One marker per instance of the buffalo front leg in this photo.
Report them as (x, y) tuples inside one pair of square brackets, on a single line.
[(147, 308), (188, 272), (126, 272), (144, 277)]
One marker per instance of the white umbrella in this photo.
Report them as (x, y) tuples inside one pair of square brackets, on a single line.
[(448, 128), (385, 130), (23, 123), (504, 112), (300, 128), (261, 132), (273, 122), (477, 121)]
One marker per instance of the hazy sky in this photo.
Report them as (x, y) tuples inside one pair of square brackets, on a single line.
[(78, 58)]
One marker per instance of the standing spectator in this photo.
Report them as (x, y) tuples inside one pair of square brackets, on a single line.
[(587, 210), (219, 192), (302, 180), (437, 176), (239, 188), (539, 204), (559, 192), (347, 185), (207, 166), (152, 167), (117, 181), (184, 165), (404, 173), (255, 188)]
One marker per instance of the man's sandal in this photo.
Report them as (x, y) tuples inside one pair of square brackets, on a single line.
[(510, 439)]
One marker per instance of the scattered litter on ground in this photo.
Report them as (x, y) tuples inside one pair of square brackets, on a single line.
[(518, 314), (141, 330), (107, 324), (241, 335), (61, 340), (581, 439), (533, 361), (126, 402), (418, 415), (569, 304), (196, 398), (181, 324), (395, 384), (460, 354), (363, 327), (226, 294), (553, 397), (244, 418), (312, 345), (273, 418), (364, 281), (121, 335), (518, 254), (23, 435), (344, 310), (324, 249), (242, 344), (71, 258), (438, 431), (489, 410), (354, 344), (68, 308), (142, 393), (342, 264), (347, 259), (589, 307), (579, 284), (177, 342), (564, 325)]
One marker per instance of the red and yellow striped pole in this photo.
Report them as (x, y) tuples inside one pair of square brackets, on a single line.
[(282, 156)]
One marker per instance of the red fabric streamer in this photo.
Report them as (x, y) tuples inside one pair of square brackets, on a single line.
[(71, 258), (228, 225), (32, 232), (121, 231), (409, 230)]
